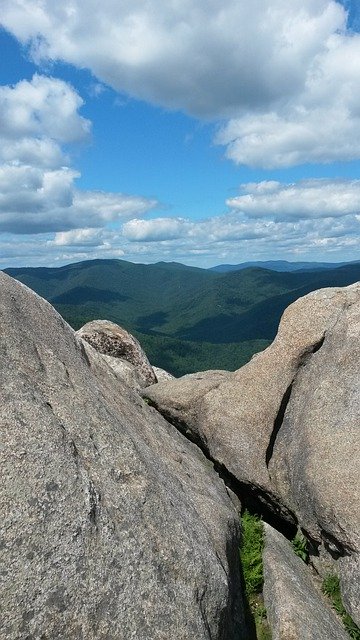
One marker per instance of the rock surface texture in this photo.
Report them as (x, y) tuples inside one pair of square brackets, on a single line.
[(316, 458), (162, 375), (296, 608), (286, 426), (112, 525), (111, 340)]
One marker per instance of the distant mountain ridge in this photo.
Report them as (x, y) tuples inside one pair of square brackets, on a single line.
[(281, 265), (186, 318)]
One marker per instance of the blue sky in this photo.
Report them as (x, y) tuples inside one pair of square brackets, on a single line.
[(202, 132)]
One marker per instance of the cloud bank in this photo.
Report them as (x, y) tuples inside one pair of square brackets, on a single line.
[(279, 80), (38, 191), (282, 76)]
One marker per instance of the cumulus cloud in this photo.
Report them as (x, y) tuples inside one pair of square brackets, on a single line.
[(155, 230), (78, 238), (36, 117), (33, 200), (301, 216), (204, 56), (45, 107), (325, 216), (321, 124), (285, 74), (306, 199), (37, 189), (228, 238)]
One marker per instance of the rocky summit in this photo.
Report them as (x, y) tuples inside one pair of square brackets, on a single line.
[(286, 428), (120, 517), (113, 525)]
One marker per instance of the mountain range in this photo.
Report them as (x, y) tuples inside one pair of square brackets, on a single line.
[(186, 318), (280, 265)]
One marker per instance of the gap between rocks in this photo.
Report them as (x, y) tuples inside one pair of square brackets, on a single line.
[(251, 497), (278, 422)]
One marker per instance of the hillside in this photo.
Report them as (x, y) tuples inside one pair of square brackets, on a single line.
[(187, 318), (279, 265)]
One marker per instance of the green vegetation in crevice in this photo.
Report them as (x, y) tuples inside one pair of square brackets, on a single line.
[(251, 551), (331, 588), (301, 547)]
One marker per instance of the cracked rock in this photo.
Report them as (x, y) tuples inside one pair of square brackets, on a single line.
[(316, 459), (112, 524), (113, 341), (296, 608), (237, 418)]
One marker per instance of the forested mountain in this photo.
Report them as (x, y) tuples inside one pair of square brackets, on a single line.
[(280, 265), (186, 318)]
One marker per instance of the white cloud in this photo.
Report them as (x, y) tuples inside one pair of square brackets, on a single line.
[(45, 107), (256, 231), (87, 237), (306, 199), (319, 124), (285, 73), (36, 152), (37, 189), (36, 117), (156, 230), (208, 57), (228, 238), (34, 200)]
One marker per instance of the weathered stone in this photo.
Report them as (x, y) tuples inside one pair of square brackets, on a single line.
[(316, 460), (236, 418), (162, 375), (124, 370), (296, 608), (287, 425), (111, 340), (178, 399), (112, 525)]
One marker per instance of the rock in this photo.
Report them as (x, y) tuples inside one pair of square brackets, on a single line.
[(178, 399), (112, 525), (237, 419), (296, 608), (162, 375), (125, 371), (111, 340), (316, 459), (287, 427)]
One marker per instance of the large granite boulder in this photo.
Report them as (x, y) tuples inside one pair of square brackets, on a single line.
[(237, 418), (179, 403), (286, 426), (112, 340), (296, 608), (112, 524), (122, 368), (316, 457)]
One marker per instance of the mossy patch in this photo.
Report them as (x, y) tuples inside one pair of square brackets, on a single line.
[(331, 588), (251, 551), (301, 547)]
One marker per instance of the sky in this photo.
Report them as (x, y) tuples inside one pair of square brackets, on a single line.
[(196, 131)]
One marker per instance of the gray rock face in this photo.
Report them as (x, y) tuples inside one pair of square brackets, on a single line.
[(316, 459), (296, 608), (288, 424), (178, 399), (237, 417), (111, 340), (112, 525), (127, 372), (162, 375)]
